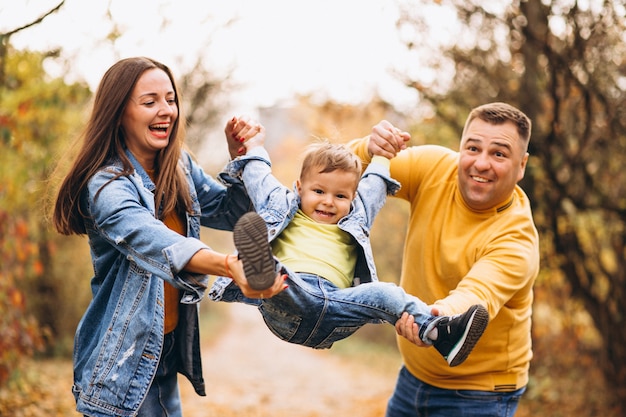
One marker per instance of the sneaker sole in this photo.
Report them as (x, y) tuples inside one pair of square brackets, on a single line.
[(250, 237), (474, 329)]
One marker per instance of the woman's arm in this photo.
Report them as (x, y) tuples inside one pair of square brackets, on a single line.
[(207, 261)]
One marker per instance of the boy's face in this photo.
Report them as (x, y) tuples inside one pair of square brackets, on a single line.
[(327, 197)]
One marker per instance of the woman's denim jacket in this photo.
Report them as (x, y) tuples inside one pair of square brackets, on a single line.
[(119, 339), (278, 205)]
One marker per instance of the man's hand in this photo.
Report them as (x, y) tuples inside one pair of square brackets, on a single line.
[(407, 328), (387, 140)]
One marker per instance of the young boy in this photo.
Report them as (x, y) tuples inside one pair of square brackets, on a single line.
[(318, 234)]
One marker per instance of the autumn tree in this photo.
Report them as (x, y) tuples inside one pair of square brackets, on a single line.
[(39, 117), (23, 168), (563, 63), (34, 120)]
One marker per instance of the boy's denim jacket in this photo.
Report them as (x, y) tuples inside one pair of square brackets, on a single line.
[(119, 339), (278, 205)]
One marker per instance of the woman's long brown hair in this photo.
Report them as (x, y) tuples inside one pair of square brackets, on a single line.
[(103, 142)]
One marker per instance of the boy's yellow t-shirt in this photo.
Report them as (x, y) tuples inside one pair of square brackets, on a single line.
[(316, 248)]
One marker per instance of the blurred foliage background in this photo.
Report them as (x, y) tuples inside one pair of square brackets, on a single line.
[(562, 62)]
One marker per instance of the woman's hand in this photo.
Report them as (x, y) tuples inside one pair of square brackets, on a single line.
[(235, 267), (243, 133)]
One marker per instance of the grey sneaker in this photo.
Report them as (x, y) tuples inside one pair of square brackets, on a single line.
[(250, 236), (458, 334)]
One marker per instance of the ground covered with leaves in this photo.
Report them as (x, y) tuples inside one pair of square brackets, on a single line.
[(250, 373)]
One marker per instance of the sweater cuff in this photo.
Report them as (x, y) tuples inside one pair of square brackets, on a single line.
[(377, 159)]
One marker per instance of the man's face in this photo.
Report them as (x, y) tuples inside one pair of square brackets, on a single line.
[(492, 161)]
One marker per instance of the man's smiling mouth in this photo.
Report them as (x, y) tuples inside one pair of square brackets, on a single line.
[(479, 179)]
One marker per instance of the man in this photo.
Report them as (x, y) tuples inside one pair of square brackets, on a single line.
[(470, 240)]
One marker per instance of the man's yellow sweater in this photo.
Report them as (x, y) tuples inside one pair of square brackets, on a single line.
[(455, 257)]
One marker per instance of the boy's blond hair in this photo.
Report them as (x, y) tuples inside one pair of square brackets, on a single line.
[(328, 157)]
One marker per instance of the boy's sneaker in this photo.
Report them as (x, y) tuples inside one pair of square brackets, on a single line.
[(250, 236), (458, 334)]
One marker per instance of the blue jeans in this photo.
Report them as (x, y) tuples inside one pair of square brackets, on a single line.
[(163, 399), (314, 312), (413, 398)]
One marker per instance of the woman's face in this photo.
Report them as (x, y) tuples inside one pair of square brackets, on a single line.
[(149, 116)]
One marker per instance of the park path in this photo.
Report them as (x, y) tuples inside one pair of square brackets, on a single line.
[(251, 373)]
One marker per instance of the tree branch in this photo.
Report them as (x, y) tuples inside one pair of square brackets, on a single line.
[(6, 35)]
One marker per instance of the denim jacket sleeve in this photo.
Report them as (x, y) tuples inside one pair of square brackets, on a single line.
[(220, 202), (275, 202), (122, 211), (374, 186)]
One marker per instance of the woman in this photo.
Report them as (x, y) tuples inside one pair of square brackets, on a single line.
[(140, 198)]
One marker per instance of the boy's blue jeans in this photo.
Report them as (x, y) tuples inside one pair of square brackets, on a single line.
[(314, 312), (413, 398)]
